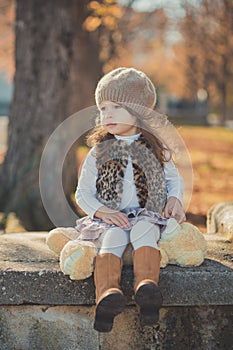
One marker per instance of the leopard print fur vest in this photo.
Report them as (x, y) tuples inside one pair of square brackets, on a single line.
[(148, 174)]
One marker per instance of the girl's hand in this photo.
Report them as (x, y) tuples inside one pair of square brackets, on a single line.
[(113, 217), (174, 209)]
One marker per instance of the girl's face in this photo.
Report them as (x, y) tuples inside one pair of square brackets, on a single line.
[(117, 120)]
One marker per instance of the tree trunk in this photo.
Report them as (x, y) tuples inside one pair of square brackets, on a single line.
[(223, 86), (57, 68), (223, 94)]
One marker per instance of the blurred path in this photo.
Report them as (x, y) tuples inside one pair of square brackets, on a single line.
[(3, 136), (3, 133)]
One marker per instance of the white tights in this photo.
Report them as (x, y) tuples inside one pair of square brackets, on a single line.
[(143, 233)]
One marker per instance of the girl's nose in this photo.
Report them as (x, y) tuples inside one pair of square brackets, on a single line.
[(106, 116), (108, 113)]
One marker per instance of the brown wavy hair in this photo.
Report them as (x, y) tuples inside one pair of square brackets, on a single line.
[(99, 135)]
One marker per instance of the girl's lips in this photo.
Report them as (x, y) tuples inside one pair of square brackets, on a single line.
[(111, 124)]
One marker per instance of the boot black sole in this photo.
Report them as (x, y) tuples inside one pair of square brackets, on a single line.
[(150, 299), (109, 307)]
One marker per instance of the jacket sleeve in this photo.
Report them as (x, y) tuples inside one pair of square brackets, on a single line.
[(85, 194), (174, 182)]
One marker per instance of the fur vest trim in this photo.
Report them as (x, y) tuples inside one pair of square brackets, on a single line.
[(148, 174)]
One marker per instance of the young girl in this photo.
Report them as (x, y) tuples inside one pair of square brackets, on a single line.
[(128, 181)]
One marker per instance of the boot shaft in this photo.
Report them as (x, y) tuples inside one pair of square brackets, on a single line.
[(146, 264), (107, 273)]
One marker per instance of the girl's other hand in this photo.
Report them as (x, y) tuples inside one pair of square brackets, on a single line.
[(174, 209), (113, 217)]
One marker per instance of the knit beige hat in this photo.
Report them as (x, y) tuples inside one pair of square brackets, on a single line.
[(129, 87)]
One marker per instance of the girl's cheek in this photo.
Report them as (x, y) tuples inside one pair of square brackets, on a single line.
[(101, 119)]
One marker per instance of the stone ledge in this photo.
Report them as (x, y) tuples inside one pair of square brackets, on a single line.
[(30, 274)]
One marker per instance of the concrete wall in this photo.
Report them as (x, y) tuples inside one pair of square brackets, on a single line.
[(44, 327), (41, 309)]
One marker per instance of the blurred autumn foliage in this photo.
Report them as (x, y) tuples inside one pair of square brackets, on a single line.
[(197, 65), (61, 49), (198, 59), (207, 45), (211, 154), (7, 38)]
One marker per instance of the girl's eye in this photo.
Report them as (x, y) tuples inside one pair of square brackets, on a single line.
[(102, 108), (117, 106)]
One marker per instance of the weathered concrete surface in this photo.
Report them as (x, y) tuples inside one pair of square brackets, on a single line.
[(43, 328), (196, 328), (41, 309), (71, 328), (30, 274)]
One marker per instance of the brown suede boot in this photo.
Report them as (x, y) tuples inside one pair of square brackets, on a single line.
[(109, 298), (146, 262)]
